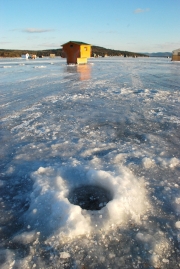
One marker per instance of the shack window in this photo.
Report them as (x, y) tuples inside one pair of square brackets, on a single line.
[(85, 48), (71, 45)]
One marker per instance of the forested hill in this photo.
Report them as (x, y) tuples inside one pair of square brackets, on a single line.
[(96, 51), (109, 52)]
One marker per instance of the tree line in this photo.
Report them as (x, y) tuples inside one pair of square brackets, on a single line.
[(95, 51)]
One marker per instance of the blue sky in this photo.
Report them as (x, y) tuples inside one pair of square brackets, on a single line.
[(133, 25)]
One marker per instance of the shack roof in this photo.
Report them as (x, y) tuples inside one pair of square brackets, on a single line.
[(176, 50), (76, 42)]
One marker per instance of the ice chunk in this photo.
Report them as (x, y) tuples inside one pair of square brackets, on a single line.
[(165, 260), (25, 238), (64, 255), (147, 162), (155, 260), (177, 224), (174, 162), (144, 237)]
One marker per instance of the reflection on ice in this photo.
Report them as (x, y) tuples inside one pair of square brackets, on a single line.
[(84, 70), (110, 125)]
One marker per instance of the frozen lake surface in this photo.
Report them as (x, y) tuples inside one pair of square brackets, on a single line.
[(90, 163)]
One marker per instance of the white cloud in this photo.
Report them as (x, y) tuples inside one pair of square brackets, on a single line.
[(50, 45), (140, 10), (4, 42), (37, 30)]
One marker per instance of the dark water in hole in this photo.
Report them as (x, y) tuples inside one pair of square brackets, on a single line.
[(90, 197)]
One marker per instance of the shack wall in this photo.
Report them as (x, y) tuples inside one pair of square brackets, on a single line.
[(72, 52), (176, 58)]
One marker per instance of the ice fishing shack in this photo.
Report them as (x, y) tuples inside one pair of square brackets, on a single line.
[(176, 55), (77, 52)]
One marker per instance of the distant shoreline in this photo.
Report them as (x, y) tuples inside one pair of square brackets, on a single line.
[(95, 50)]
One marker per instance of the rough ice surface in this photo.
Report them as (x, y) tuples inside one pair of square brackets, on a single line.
[(112, 124)]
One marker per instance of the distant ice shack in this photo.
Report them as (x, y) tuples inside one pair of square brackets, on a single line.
[(176, 55), (77, 52)]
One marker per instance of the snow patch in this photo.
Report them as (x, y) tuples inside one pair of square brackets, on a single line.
[(39, 67), (50, 209)]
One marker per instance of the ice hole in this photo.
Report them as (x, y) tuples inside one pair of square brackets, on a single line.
[(90, 197)]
